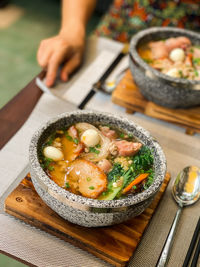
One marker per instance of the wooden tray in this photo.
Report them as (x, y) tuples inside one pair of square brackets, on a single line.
[(114, 244), (128, 95)]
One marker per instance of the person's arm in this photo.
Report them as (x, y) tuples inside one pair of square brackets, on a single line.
[(68, 46)]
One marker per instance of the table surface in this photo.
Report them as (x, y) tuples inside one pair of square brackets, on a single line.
[(180, 150), (12, 117), (17, 110)]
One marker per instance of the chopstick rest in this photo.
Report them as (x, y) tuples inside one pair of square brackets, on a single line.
[(192, 245)]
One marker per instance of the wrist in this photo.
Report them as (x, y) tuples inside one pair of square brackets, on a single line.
[(73, 28)]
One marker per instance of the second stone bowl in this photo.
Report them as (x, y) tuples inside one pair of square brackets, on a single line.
[(156, 86)]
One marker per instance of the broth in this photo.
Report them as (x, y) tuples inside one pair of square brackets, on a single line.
[(97, 161), (176, 57)]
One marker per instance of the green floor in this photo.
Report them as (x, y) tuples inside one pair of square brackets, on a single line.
[(8, 262), (20, 41), (18, 47)]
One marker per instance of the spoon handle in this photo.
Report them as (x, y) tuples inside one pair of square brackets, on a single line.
[(164, 256)]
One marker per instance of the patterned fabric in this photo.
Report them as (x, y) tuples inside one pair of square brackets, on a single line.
[(126, 17)]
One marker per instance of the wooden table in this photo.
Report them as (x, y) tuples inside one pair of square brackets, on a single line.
[(13, 115), (17, 110)]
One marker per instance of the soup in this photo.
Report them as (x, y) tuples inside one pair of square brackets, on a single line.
[(97, 161), (176, 57)]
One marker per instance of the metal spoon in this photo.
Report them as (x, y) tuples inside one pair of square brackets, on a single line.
[(186, 191)]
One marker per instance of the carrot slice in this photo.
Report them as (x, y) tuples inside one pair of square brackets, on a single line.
[(138, 180)]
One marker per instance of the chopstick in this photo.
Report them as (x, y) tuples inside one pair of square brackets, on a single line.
[(192, 245), (196, 255), (105, 75)]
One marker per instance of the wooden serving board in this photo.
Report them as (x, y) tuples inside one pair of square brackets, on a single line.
[(128, 95), (114, 244)]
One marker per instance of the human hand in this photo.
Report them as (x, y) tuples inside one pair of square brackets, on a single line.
[(67, 47)]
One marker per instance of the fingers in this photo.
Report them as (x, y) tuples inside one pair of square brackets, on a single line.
[(43, 55), (70, 66), (52, 52), (54, 62)]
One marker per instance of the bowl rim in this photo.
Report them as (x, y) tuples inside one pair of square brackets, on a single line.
[(43, 178), (134, 56)]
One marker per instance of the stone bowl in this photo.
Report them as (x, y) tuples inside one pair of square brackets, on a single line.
[(85, 211), (156, 86)]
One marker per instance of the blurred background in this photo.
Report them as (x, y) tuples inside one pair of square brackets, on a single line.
[(23, 24)]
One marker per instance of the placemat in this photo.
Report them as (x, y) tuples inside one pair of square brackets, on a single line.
[(114, 244), (41, 249)]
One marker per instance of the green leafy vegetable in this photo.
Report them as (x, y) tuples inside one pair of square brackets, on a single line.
[(121, 135), (76, 141), (68, 137), (98, 146), (149, 179), (149, 61), (110, 194), (50, 140), (67, 185), (51, 168), (143, 159), (127, 176), (46, 162), (94, 150), (115, 173), (142, 162), (91, 187), (196, 61), (196, 73), (180, 73)]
